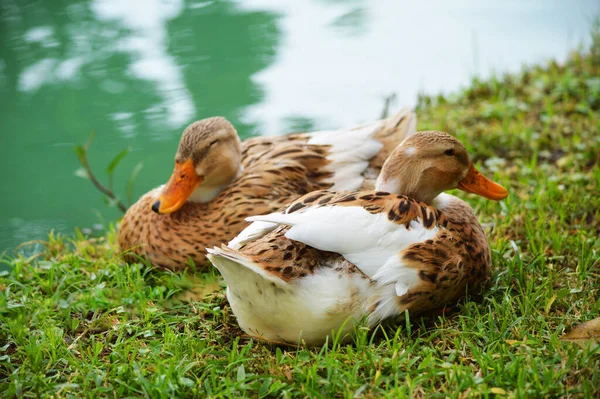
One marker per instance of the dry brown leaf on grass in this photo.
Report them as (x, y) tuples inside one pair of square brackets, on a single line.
[(584, 334)]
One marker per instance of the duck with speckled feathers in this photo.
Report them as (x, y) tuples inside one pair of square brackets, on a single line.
[(219, 181), (333, 258)]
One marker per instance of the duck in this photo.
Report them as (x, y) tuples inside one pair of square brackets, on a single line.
[(218, 181), (333, 259)]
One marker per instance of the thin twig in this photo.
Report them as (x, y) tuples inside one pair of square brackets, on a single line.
[(99, 185), (387, 101)]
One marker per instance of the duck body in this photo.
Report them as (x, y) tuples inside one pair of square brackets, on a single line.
[(272, 171), (331, 259), (412, 256)]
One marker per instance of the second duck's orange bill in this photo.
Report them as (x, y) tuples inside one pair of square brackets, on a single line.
[(180, 186), (477, 183)]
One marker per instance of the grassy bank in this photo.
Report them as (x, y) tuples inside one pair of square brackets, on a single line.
[(75, 321)]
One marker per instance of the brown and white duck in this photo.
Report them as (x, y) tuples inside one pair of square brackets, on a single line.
[(332, 258), (219, 181)]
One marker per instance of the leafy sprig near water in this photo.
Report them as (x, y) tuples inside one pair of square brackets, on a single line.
[(86, 172)]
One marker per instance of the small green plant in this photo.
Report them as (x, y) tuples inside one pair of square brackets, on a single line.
[(86, 172)]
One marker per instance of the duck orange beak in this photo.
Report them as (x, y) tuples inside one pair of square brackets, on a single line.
[(477, 183), (180, 186)]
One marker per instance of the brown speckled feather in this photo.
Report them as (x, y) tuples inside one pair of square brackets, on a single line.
[(455, 260), (276, 170), (264, 187)]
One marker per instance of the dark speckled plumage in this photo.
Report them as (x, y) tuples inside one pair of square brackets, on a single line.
[(276, 170)]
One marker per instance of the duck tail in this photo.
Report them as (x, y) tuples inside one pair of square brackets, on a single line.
[(235, 266), (356, 155), (394, 130)]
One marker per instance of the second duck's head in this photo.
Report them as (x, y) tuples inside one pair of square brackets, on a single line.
[(207, 160), (430, 162)]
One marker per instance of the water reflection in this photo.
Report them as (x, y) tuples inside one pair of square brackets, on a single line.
[(146, 24), (352, 22), (338, 59), (136, 72)]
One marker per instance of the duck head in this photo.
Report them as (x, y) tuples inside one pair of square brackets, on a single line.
[(207, 160), (430, 162)]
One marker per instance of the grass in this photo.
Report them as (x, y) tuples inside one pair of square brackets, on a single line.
[(76, 322)]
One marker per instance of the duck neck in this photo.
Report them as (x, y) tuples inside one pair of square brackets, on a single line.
[(206, 191), (407, 185)]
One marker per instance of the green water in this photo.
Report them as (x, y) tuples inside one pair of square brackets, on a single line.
[(137, 72)]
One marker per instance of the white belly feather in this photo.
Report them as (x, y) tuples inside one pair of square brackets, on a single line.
[(306, 309)]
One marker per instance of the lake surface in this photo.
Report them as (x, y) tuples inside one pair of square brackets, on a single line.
[(138, 71)]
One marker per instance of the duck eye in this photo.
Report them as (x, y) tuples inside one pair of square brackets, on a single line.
[(449, 152)]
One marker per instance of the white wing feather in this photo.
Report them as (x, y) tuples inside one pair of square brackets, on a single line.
[(350, 152), (253, 232), (370, 241), (351, 149)]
